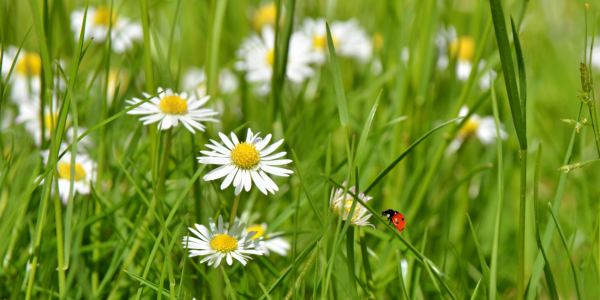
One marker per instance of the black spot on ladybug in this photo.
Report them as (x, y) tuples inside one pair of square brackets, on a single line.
[(402, 219)]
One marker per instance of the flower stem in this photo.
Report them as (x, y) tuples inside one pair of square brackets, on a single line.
[(350, 259), (165, 161), (521, 241), (59, 246), (234, 208)]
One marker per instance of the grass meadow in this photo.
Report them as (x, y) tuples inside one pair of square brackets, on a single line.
[(105, 106)]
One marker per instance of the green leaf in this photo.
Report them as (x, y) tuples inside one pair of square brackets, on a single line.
[(522, 77), (365, 132), (508, 70), (216, 25), (337, 80)]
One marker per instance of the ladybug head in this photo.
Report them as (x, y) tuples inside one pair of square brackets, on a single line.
[(388, 213)]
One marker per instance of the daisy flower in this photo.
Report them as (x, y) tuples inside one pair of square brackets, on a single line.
[(123, 32), (265, 15), (84, 175), (218, 243), (271, 241), (29, 113), (349, 39), (337, 200), (169, 108), (26, 77), (484, 129), (194, 80), (257, 56), (463, 50), (596, 53), (245, 162)]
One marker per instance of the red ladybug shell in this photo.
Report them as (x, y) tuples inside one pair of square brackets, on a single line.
[(398, 220)]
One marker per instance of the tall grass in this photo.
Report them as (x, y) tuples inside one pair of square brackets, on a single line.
[(387, 126)]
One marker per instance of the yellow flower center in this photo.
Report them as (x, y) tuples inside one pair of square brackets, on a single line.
[(320, 42), (259, 231), (377, 42), (270, 57), (29, 64), (245, 155), (266, 14), (463, 48), (224, 243), (50, 120), (173, 105), (103, 17), (64, 171), (348, 206), (469, 128)]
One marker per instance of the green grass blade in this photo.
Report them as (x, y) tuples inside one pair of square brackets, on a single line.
[(311, 200), (495, 244), (146, 283), (310, 246), (337, 81), (216, 24), (538, 266), (474, 296), (365, 132), (485, 270), (400, 276), (566, 246), (508, 70), (536, 184), (406, 152), (149, 71), (350, 261), (522, 77)]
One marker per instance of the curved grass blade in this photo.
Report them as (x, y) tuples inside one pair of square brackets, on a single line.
[(147, 283), (300, 257), (402, 287), (536, 272), (485, 270), (565, 244), (399, 158), (306, 189), (495, 244), (536, 184), (365, 132)]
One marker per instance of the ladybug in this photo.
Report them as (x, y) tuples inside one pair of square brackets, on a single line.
[(394, 216)]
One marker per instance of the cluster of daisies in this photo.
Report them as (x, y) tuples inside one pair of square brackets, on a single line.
[(307, 49), (241, 163)]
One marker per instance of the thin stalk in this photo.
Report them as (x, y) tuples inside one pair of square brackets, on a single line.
[(521, 236), (165, 161), (60, 246), (495, 243), (350, 259), (565, 244), (234, 207)]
